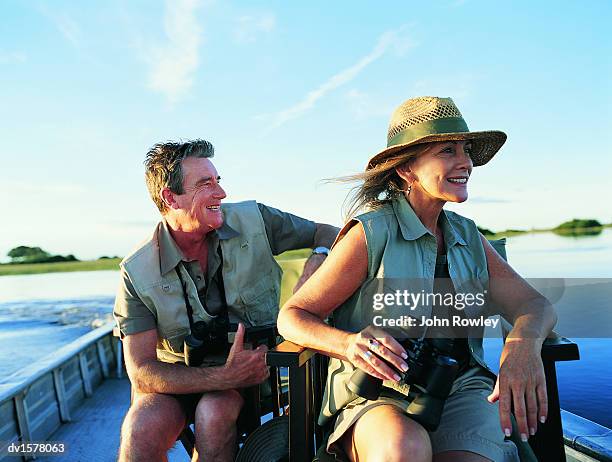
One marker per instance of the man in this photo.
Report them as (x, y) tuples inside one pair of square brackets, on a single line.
[(204, 262)]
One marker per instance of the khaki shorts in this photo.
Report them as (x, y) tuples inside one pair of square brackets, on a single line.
[(469, 422)]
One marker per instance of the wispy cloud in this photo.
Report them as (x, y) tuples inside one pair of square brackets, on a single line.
[(363, 105), (12, 57), (174, 64), (249, 27), (459, 86), (358, 102), (72, 31), (69, 29), (394, 40), (65, 24)]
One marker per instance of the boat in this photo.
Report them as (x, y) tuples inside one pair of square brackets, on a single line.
[(75, 400)]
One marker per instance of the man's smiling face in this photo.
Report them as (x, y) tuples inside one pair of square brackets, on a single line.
[(200, 202)]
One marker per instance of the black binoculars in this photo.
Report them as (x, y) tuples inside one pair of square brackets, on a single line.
[(213, 339), (430, 374), (206, 339)]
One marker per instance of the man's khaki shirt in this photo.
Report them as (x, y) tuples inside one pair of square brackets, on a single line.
[(283, 231)]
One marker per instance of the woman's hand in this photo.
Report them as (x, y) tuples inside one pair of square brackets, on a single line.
[(521, 384), (377, 353)]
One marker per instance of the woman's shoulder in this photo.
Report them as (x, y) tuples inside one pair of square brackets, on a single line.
[(378, 213), (378, 222), (371, 221), (374, 223)]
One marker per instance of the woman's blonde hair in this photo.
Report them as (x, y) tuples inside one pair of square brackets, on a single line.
[(379, 184)]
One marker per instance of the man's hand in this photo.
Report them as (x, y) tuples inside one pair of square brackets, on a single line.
[(245, 368), (311, 265)]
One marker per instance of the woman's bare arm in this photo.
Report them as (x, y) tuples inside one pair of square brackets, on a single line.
[(530, 312), (521, 384), (301, 319)]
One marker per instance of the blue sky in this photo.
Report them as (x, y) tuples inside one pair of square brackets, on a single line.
[(290, 94)]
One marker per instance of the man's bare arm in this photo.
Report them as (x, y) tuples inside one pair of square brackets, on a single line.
[(325, 235), (149, 375)]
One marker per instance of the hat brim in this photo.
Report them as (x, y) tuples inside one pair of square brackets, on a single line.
[(484, 145)]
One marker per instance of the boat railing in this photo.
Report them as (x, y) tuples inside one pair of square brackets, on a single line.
[(586, 437), (40, 397)]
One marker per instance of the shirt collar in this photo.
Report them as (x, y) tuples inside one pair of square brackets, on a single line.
[(451, 236), (410, 225), (226, 232), (412, 228), (170, 255)]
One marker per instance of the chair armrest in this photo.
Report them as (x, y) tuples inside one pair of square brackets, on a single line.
[(554, 348), (547, 444), (557, 348), (288, 354), (302, 399)]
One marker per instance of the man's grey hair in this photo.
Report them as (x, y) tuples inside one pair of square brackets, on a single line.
[(163, 166)]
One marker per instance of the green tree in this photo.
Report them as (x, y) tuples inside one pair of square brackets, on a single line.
[(577, 228), (577, 223), (25, 254)]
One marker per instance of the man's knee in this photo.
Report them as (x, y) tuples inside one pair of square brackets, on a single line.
[(157, 415), (219, 408)]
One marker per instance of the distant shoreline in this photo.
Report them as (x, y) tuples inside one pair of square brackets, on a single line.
[(580, 231), (12, 269), (104, 264)]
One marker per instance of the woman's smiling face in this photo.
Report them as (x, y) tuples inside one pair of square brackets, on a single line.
[(441, 172)]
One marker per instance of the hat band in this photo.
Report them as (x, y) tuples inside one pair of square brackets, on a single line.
[(431, 127)]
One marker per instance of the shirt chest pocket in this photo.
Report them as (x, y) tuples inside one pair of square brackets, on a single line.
[(171, 311), (260, 302)]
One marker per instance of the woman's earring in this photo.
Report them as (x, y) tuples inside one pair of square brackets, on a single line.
[(408, 189)]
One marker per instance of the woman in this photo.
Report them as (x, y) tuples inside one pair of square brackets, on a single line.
[(406, 235)]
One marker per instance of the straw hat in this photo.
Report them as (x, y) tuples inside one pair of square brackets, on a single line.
[(429, 119)]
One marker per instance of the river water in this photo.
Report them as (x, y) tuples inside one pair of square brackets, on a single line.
[(39, 313)]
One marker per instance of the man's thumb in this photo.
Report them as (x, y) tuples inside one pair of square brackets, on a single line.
[(238, 341)]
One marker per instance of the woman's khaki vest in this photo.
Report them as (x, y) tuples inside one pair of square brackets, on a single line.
[(400, 249)]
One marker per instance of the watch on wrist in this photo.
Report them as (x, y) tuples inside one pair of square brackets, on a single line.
[(320, 251)]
